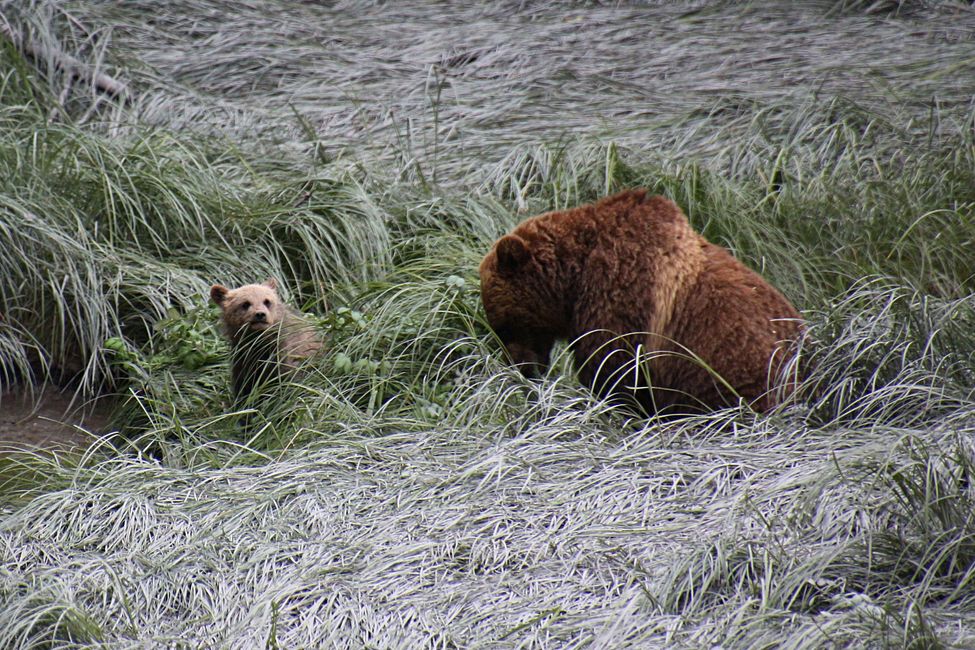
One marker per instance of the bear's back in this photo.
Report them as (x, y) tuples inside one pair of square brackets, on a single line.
[(709, 328)]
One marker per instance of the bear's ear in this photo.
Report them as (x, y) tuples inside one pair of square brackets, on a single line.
[(588, 234), (272, 283), (512, 252), (218, 293)]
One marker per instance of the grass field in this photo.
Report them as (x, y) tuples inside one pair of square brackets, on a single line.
[(412, 490)]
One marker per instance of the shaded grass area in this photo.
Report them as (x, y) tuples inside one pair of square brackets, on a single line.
[(411, 490)]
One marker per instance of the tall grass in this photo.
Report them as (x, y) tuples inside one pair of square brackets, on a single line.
[(408, 488), (105, 235)]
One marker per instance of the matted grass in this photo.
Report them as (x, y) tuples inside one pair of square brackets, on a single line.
[(409, 489)]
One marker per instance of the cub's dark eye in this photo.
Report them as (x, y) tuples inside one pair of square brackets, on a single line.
[(245, 305), (267, 303)]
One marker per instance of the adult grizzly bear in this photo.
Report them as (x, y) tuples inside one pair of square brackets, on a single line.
[(266, 335), (628, 279)]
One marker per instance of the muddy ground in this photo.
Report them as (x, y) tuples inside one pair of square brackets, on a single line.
[(51, 420)]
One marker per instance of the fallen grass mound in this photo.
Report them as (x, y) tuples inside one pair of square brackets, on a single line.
[(566, 526), (436, 91)]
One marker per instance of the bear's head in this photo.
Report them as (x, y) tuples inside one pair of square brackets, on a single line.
[(523, 306), (250, 308)]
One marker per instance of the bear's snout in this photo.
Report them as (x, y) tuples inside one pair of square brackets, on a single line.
[(259, 320), (532, 363)]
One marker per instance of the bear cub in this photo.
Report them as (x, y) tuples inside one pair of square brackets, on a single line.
[(267, 337), (652, 310)]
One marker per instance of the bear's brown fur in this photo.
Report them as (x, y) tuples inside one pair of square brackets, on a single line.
[(628, 278), (266, 335)]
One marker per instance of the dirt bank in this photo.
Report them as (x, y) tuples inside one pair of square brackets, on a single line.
[(50, 420)]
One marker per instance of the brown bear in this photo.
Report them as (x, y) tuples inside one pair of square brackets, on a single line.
[(652, 310), (266, 335)]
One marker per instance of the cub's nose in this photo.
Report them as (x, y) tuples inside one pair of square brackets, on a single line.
[(260, 317)]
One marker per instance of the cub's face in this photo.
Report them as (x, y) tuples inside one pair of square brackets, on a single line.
[(252, 307), (517, 306)]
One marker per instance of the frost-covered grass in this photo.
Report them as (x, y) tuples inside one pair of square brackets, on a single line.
[(409, 489), (439, 89)]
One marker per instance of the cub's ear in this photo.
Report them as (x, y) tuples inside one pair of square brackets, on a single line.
[(512, 252), (272, 283), (218, 293)]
